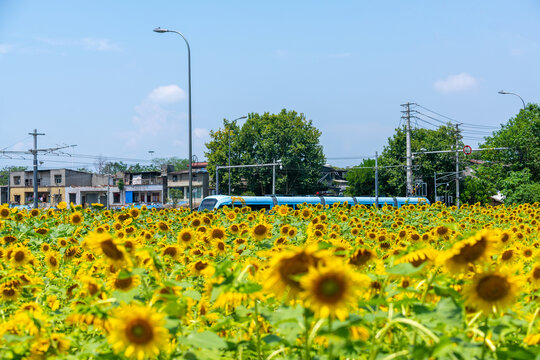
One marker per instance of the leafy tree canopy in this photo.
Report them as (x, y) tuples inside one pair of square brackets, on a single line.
[(287, 136), (392, 175), (4, 173), (361, 179)]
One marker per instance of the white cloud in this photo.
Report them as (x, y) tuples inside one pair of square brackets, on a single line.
[(455, 83), (201, 132), (5, 48), (99, 44), (167, 94)]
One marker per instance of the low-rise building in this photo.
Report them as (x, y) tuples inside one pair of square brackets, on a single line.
[(52, 185), (180, 180)]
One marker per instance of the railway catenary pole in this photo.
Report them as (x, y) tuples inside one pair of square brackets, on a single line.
[(408, 150), (376, 180), (274, 178), (217, 180), (457, 166), (435, 183), (35, 177)]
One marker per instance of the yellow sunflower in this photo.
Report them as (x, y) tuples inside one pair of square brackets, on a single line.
[(138, 332), (21, 256), (534, 277), (52, 260), (472, 250), (491, 291), (4, 212), (123, 283), (331, 289), (186, 237), (261, 231), (106, 245), (418, 257), (217, 233), (287, 267), (361, 257), (76, 218)]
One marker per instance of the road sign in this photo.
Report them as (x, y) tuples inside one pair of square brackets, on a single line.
[(467, 150)]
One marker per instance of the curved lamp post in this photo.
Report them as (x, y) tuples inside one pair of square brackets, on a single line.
[(241, 117), (160, 30), (502, 92)]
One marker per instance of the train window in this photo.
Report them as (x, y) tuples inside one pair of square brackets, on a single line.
[(257, 207), (208, 204)]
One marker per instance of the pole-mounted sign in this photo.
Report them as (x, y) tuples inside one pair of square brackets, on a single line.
[(467, 150)]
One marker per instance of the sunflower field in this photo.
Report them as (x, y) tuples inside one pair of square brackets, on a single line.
[(340, 282)]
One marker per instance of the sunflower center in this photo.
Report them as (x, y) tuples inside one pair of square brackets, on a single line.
[(536, 272), (139, 331), (493, 288), (330, 289), (8, 292), (170, 251), (217, 234), (469, 253), (186, 237), (221, 246), (53, 261), (200, 265), (507, 255), (260, 230), (19, 256), (298, 264), (123, 283), (360, 257), (110, 250)]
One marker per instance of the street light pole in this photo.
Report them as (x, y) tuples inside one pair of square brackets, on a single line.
[(160, 30), (502, 92), (229, 133)]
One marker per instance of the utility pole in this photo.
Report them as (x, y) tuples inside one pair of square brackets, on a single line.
[(217, 180), (409, 151), (457, 165), (435, 181), (376, 179), (229, 131), (273, 178), (35, 152)]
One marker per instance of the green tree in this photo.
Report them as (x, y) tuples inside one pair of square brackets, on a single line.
[(175, 195), (113, 167), (179, 164), (392, 174), (361, 179), (522, 136), (514, 171), (4, 173), (287, 136)]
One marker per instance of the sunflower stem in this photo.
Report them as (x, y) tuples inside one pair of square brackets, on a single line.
[(428, 285), (484, 344), (307, 328), (529, 329), (330, 345), (258, 331)]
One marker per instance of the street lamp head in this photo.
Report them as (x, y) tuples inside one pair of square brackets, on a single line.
[(503, 92), (160, 30)]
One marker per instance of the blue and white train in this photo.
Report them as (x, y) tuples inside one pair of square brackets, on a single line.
[(267, 202)]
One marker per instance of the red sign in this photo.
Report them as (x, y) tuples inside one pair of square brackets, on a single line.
[(467, 150)]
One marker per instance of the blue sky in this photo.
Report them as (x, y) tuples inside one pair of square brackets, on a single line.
[(94, 74)]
